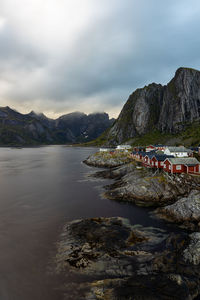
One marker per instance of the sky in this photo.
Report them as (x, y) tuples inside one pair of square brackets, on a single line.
[(60, 56)]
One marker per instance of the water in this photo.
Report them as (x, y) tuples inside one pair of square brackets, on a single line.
[(41, 189)]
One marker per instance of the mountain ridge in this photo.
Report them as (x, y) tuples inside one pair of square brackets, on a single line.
[(168, 109), (35, 128)]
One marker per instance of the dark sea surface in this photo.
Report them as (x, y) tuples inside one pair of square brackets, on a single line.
[(41, 189)]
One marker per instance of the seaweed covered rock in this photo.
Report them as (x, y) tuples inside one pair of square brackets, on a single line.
[(119, 261)]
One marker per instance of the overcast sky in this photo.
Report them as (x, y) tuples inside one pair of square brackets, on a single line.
[(59, 56)]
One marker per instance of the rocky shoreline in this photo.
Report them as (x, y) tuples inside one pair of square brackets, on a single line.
[(144, 187), (119, 261)]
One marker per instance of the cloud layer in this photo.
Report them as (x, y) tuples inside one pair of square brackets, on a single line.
[(62, 56)]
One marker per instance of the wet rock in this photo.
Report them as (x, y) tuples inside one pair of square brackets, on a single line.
[(140, 288), (121, 261), (185, 211), (192, 253), (98, 245)]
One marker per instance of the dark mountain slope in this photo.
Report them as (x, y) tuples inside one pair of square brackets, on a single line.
[(34, 129)]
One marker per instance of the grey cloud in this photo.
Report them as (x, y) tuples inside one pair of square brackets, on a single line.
[(139, 42)]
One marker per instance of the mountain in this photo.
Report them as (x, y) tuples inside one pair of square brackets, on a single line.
[(84, 127), (163, 110), (33, 129)]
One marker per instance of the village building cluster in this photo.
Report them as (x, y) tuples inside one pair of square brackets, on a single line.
[(174, 160)]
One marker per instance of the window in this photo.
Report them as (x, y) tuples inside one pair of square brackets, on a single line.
[(178, 167), (156, 163), (165, 166), (162, 163)]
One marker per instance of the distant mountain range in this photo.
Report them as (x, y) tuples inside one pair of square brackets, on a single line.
[(157, 113), (34, 129)]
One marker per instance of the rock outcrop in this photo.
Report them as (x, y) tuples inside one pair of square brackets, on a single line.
[(143, 188), (185, 211), (120, 261), (107, 160), (168, 109)]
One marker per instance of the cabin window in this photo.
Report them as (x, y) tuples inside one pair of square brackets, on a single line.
[(165, 166), (162, 163), (156, 163), (178, 167), (169, 167)]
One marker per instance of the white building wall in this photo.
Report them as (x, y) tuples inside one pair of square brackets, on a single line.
[(104, 150), (167, 152), (123, 147), (176, 154)]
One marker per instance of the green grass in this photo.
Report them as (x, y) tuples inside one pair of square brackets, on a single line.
[(188, 137), (101, 140), (154, 137)]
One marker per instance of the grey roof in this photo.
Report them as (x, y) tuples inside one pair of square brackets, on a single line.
[(162, 157), (178, 149), (188, 161), (150, 154)]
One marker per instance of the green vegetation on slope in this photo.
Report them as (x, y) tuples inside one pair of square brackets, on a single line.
[(189, 137)]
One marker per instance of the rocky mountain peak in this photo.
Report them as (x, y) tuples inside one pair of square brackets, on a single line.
[(155, 107)]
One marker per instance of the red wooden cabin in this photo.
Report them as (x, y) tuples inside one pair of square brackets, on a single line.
[(188, 165), (150, 148)]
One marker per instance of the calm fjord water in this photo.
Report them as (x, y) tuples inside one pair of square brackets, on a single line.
[(41, 189)]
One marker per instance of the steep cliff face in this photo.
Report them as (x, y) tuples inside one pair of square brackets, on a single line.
[(181, 101), (155, 107)]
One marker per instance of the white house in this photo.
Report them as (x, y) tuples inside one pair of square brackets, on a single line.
[(104, 150), (123, 147), (178, 151)]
